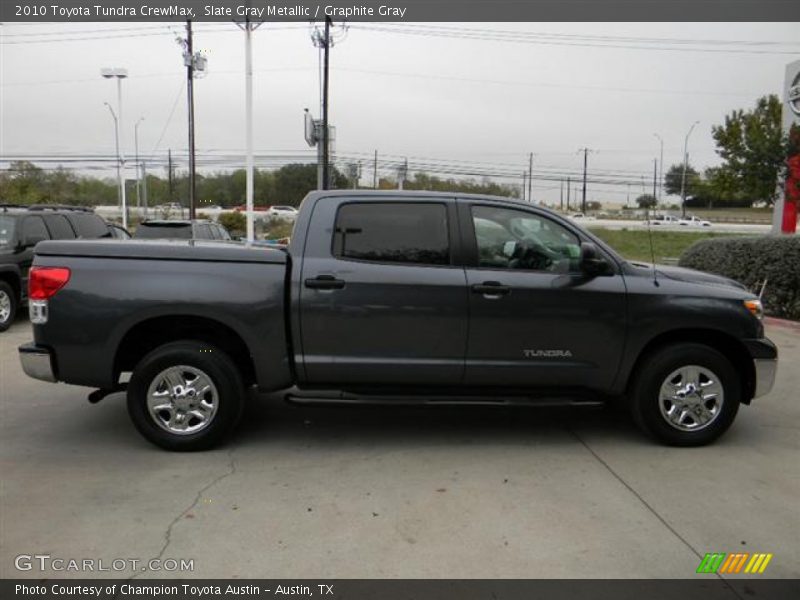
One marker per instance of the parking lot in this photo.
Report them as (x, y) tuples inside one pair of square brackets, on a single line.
[(396, 492)]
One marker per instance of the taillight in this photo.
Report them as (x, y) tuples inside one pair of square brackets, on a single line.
[(44, 282)]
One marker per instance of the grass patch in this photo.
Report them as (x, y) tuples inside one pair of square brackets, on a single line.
[(635, 245)]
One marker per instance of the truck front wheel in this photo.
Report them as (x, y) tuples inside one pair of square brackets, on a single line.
[(185, 396), (685, 394)]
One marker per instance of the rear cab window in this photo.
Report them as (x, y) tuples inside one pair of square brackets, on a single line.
[(393, 232), (182, 231)]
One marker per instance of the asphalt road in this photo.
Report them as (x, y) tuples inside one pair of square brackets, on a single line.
[(379, 492)]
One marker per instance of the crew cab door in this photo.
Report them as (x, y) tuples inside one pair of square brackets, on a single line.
[(535, 319), (381, 301)]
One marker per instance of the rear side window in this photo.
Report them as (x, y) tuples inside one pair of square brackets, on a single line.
[(59, 227), (401, 232), (203, 232), (33, 228), (182, 231), (223, 233), (88, 226)]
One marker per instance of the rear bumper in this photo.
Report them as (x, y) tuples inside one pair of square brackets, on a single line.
[(37, 362), (765, 363)]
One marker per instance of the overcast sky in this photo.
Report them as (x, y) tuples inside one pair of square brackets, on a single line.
[(464, 97)]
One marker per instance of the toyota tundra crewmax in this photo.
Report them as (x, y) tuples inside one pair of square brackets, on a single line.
[(395, 297)]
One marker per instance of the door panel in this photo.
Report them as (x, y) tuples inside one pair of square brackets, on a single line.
[(379, 300), (535, 321)]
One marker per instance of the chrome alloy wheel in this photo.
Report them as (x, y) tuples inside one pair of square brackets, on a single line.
[(691, 398), (5, 306), (182, 400)]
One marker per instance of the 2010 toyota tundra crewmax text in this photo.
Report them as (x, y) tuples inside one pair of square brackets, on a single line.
[(395, 297)]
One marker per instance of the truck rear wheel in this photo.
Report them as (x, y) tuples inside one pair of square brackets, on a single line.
[(185, 396), (8, 305), (685, 394)]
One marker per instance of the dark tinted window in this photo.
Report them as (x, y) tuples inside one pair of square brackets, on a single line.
[(7, 226), (59, 227), (393, 232), (88, 225), (181, 231), (203, 232), (33, 228), (223, 233)]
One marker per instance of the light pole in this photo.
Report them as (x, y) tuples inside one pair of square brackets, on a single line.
[(685, 163), (119, 74), (116, 144), (660, 170), (138, 166)]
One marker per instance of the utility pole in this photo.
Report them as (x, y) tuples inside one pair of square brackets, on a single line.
[(585, 163), (120, 182), (661, 169), (326, 182), (685, 164), (530, 177), (190, 99), (138, 166), (561, 203), (144, 189), (248, 109), (524, 175), (169, 174), (655, 180), (375, 172), (569, 185)]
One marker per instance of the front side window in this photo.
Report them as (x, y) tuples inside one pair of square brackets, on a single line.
[(401, 232), (514, 239)]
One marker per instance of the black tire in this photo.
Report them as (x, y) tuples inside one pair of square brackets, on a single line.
[(653, 371), (211, 362), (7, 317)]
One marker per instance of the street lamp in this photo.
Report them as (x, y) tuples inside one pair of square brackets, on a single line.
[(685, 163), (660, 169), (120, 187), (138, 166), (119, 74)]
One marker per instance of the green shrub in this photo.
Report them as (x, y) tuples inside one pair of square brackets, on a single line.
[(751, 260), (234, 222)]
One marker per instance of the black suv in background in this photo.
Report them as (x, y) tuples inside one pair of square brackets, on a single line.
[(181, 229), (21, 228)]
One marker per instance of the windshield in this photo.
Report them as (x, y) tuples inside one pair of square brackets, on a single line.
[(182, 231), (7, 225)]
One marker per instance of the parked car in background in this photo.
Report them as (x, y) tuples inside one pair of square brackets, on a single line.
[(692, 221), (118, 232), (663, 220), (21, 228), (282, 212), (181, 229)]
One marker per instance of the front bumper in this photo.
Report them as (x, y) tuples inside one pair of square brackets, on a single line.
[(37, 362), (765, 362)]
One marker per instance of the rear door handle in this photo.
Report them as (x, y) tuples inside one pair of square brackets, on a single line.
[(325, 282), (491, 288)]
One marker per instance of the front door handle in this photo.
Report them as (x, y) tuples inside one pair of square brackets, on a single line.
[(491, 288), (325, 282)]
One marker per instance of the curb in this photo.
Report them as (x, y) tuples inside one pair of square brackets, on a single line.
[(783, 323)]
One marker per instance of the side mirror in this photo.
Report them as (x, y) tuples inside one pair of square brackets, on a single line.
[(591, 262)]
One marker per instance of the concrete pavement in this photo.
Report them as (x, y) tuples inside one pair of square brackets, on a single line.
[(395, 492)]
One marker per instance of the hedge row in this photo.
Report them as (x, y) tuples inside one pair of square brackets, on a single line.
[(751, 260)]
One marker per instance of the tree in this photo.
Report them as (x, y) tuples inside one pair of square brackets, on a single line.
[(673, 179), (646, 201), (753, 147)]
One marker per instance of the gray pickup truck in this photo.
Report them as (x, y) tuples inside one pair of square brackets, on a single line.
[(395, 297)]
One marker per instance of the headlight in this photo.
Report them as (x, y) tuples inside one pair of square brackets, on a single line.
[(755, 307)]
